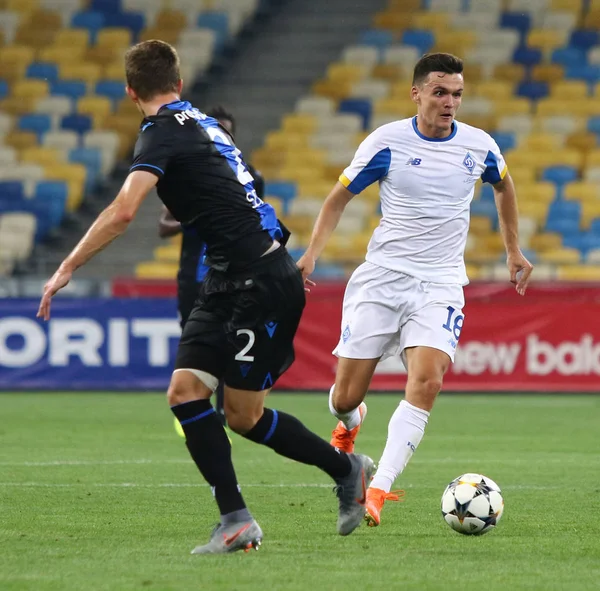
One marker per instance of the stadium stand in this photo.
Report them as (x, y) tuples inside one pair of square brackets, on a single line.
[(64, 117)]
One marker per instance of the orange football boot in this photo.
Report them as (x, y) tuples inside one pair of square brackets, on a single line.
[(375, 500), (343, 438)]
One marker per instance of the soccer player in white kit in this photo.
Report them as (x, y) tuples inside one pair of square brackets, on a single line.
[(407, 298)]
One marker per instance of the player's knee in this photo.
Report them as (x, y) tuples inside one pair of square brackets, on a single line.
[(345, 398), (241, 423), (428, 386), (185, 387)]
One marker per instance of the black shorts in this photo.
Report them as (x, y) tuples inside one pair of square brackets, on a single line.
[(243, 324), (187, 294)]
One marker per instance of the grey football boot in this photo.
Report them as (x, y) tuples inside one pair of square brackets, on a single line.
[(243, 535), (352, 493)]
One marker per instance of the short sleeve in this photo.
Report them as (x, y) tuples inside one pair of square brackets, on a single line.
[(495, 166), (371, 163), (153, 149)]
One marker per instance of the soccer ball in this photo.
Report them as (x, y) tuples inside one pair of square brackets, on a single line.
[(472, 504)]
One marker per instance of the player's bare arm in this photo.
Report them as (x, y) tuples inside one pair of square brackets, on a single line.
[(109, 225), (508, 214), (326, 223), (167, 225)]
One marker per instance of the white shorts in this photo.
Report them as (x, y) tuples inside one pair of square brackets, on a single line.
[(386, 312)]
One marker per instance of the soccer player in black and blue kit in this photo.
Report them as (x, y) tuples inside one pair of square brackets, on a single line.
[(192, 264), (243, 325)]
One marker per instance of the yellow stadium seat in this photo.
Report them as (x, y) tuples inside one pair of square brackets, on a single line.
[(310, 188), (168, 253), (546, 39), (456, 42), (495, 89), (480, 225), (521, 175), (579, 273), (567, 6), (480, 121), (580, 108), (156, 270), (394, 106), (34, 37), (168, 35), (116, 37), (581, 141), (306, 157), (593, 158), (560, 256), (536, 210), (30, 88), (582, 191), (343, 72), (95, 105), (509, 72), (42, 156), (432, 21), (474, 73), (541, 142), (390, 72), (590, 210), (334, 89), (547, 73), (540, 192), (493, 242), (280, 140), (61, 55), (474, 272), (21, 140), (17, 55), (513, 106), (107, 57), (74, 175), (88, 73), (266, 157), (47, 20), (18, 105), (392, 21), (592, 19), (545, 242), (171, 20), (404, 5), (299, 123), (569, 90), (298, 224), (22, 6), (78, 38), (297, 173)]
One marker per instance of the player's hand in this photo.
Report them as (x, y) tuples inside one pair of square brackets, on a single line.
[(520, 271), (306, 264), (56, 283)]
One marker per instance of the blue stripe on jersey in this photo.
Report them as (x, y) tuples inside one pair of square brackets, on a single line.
[(149, 166), (268, 217), (492, 173), (202, 268), (434, 139), (375, 170)]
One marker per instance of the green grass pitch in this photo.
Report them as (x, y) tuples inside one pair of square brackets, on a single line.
[(97, 493)]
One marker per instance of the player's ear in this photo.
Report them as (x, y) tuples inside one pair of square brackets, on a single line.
[(131, 94), (414, 95), (179, 86)]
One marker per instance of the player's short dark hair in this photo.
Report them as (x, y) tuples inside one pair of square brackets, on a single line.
[(152, 69), (219, 112), (436, 62)]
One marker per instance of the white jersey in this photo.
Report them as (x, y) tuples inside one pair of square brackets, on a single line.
[(426, 187)]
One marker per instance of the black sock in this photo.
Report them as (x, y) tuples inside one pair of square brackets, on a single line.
[(220, 398), (288, 437), (209, 447)]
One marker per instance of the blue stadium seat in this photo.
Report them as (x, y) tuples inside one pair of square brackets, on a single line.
[(362, 107), (588, 72), (530, 255), (564, 216), (505, 140), (105, 6), (90, 20), (73, 89), (217, 22), (584, 39), (326, 270), (49, 200), (562, 225), (595, 226), (38, 123), (112, 89), (77, 122), (283, 190), (582, 241), (134, 21), (487, 193), (560, 175), (568, 56), (485, 208), (422, 40), (377, 38), (45, 70), (92, 159), (594, 124), (527, 56), (4, 89), (516, 20), (533, 90), (11, 191)]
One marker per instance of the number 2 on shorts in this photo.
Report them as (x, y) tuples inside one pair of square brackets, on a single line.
[(242, 355)]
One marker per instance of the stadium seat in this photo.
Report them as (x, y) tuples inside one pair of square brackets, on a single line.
[(43, 70), (217, 22), (37, 123), (90, 20), (77, 122), (73, 89)]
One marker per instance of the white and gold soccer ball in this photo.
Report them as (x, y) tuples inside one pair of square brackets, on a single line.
[(472, 504)]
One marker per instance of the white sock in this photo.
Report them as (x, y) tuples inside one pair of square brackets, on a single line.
[(349, 419), (405, 431)]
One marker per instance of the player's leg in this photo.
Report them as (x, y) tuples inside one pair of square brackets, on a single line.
[(220, 402), (428, 341), (370, 322), (288, 437)]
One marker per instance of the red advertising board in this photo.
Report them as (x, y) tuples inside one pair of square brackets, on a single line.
[(548, 340)]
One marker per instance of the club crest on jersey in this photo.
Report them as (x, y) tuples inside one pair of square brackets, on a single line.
[(413, 162), (469, 162)]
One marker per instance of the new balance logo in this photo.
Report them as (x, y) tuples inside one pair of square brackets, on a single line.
[(413, 162)]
